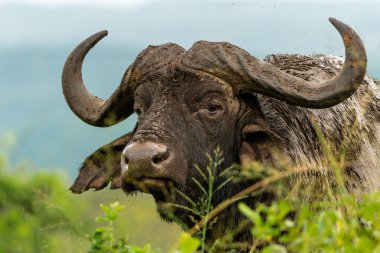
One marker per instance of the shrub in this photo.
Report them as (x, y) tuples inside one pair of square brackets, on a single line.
[(38, 214)]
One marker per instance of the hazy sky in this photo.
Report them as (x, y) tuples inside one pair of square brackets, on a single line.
[(124, 3), (136, 3)]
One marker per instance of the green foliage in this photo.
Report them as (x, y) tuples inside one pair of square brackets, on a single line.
[(37, 214), (347, 226), (103, 240), (204, 203), (188, 244)]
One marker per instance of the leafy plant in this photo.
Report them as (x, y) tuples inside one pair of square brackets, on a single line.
[(203, 206), (39, 215), (103, 240), (36, 215), (348, 226)]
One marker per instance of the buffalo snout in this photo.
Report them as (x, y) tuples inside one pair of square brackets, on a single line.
[(140, 160), (145, 166)]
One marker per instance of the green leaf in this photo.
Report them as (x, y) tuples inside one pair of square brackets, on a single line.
[(250, 214), (274, 248), (188, 244)]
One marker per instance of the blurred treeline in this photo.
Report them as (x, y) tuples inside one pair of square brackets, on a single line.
[(39, 214)]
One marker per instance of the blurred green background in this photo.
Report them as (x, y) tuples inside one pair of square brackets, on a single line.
[(44, 143), (39, 214)]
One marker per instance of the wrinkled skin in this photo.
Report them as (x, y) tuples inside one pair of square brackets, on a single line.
[(192, 117)]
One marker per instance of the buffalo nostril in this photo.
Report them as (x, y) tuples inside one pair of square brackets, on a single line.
[(158, 158)]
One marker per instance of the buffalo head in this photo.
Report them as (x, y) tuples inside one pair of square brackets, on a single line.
[(189, 103)]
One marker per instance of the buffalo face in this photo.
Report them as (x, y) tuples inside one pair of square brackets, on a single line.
[(179, 121)]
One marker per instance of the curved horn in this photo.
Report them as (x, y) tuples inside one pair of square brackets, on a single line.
[(245, 73), (103, 113), (90, 109)]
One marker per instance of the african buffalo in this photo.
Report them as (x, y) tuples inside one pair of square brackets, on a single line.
[(217, 95)]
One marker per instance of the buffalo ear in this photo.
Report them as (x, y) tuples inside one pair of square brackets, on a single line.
[(257, 145), (102, 167)]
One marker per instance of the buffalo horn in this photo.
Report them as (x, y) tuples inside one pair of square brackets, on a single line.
[(152, 61), (90, 109), (246, 73)]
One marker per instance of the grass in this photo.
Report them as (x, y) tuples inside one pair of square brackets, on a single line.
[(39, 215)]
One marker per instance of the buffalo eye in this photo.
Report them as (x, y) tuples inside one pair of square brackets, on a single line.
[(213, 108)]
